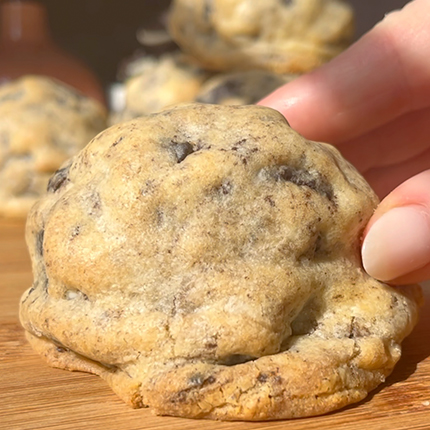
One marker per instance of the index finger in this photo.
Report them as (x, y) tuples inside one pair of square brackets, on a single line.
[(382, 76)]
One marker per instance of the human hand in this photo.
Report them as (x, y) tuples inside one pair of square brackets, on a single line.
[(373, 103)]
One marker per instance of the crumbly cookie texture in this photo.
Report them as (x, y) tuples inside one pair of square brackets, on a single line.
[(160, 83), (205, 262), (282, 36), (42, 124), (241, 88)]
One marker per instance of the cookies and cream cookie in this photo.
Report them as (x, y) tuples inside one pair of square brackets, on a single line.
[(205, 262), (282, 36), (42, 124)]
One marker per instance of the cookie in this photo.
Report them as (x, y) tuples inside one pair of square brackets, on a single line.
[(161, 82), (205, 262), (281, 36), (42, 124), (241, 88)]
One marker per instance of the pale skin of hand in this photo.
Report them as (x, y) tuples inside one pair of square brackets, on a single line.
[(373, 103)]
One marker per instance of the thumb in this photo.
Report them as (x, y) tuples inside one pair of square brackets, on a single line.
[(396, 246)]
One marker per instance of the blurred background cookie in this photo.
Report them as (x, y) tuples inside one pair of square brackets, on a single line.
[(42, 124), (241, 88), (285, 37), (158, 83)]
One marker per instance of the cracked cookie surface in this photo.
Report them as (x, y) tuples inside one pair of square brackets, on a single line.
[(42, 124), (277, 35), (205, 262)]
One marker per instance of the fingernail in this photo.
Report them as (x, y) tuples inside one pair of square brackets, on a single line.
[(397, 243)]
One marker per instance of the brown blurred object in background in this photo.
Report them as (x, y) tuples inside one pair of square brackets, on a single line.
[(26, 47)]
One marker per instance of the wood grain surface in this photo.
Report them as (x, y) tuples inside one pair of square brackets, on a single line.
[(35, 396)]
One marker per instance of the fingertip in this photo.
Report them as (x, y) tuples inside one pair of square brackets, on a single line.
[(398, 243), (396, 246)]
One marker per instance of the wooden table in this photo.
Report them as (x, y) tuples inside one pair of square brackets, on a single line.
[(35, 396)]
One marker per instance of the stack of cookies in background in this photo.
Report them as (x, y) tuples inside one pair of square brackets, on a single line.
[(236, 51), (225, 52)]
